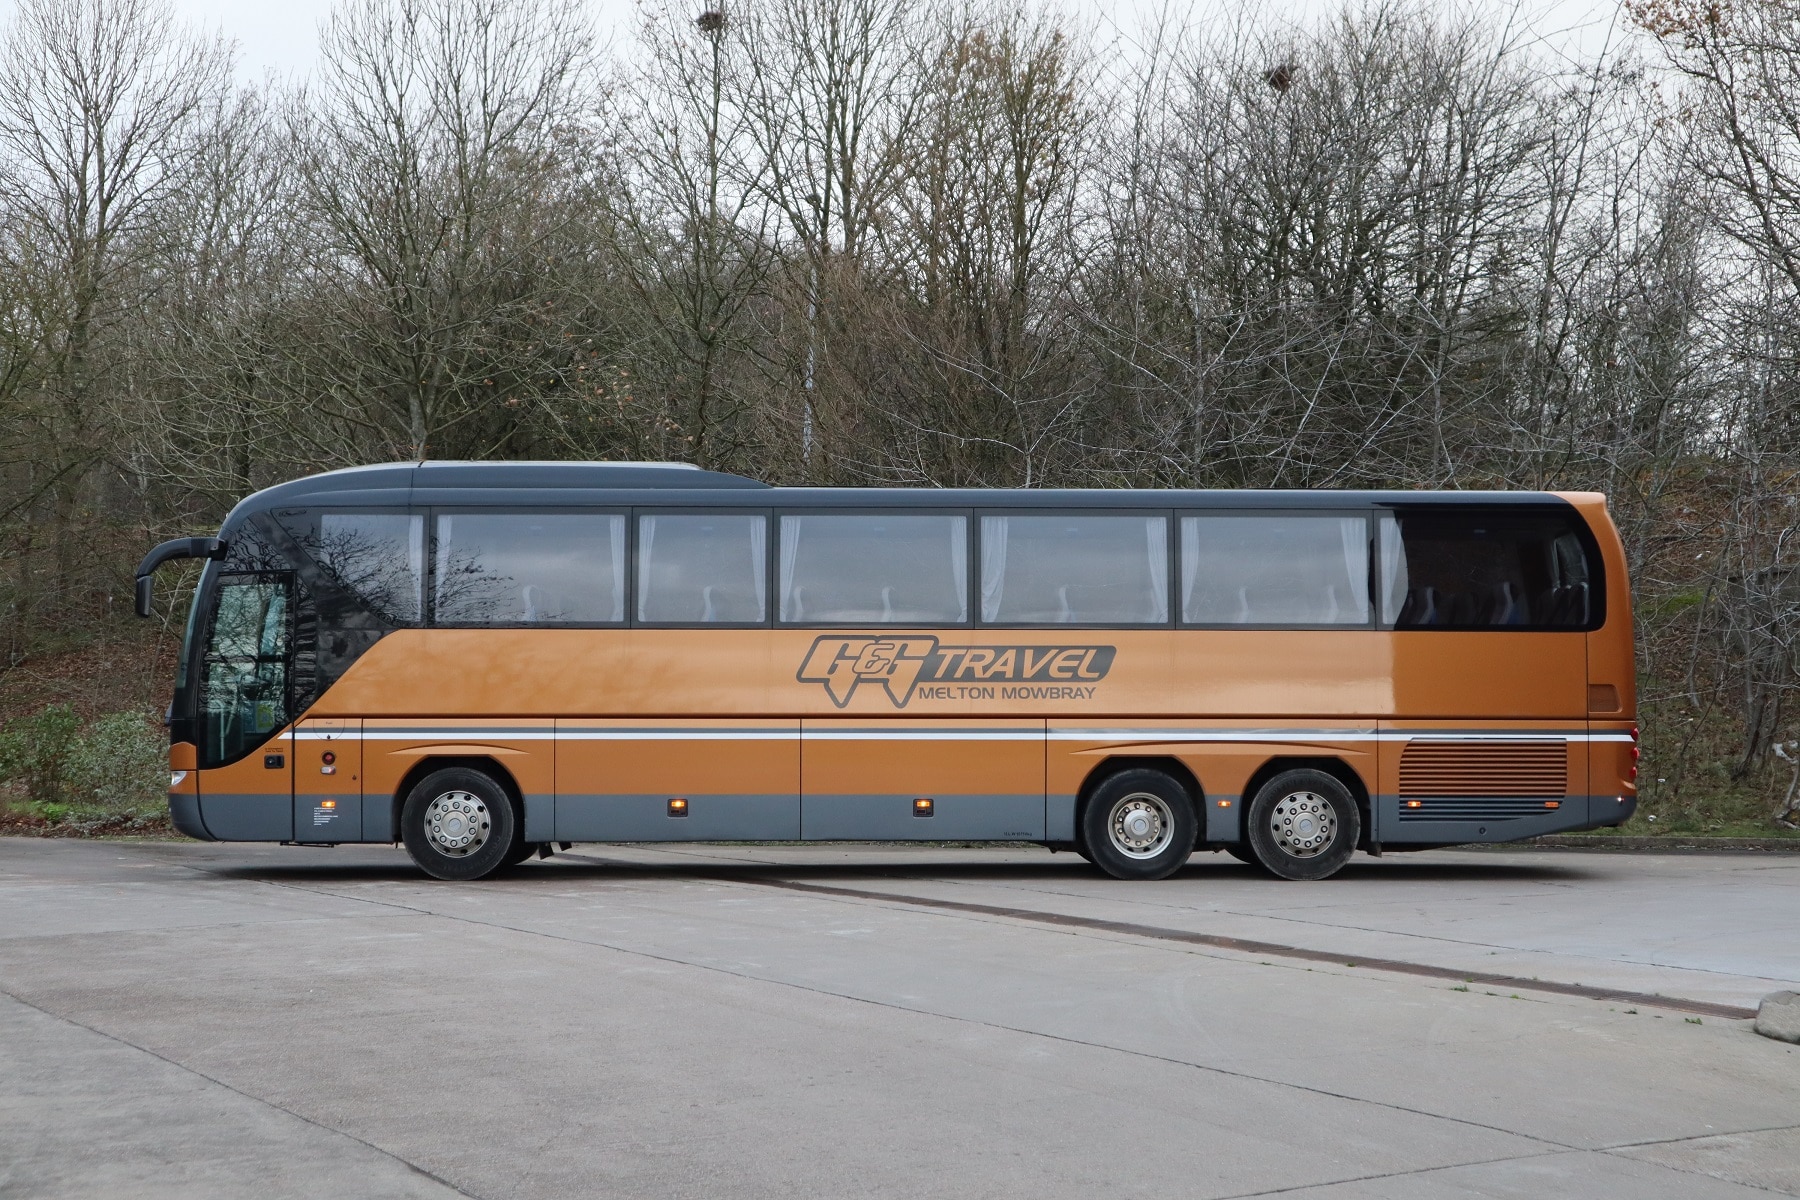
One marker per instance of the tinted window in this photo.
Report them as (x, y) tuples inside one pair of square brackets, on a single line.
[(529, 569), (379, 556), (1469, 570), (1275, 570), (889, 569), (702, 569), (244, 695), (1075, 570)]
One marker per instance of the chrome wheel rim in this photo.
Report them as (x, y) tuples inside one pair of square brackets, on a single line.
[(1141, 825), (1304, 824), (457, 824)]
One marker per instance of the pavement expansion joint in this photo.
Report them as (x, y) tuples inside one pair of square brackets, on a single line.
[(1248, 946)]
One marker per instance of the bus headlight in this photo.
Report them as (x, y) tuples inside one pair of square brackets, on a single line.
[(175, 778)]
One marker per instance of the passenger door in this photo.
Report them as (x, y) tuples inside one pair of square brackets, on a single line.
[(244, 705)]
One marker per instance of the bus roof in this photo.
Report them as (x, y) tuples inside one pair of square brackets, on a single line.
[(574, 484)]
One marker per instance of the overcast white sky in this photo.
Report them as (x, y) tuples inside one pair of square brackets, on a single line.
[(279, 36)]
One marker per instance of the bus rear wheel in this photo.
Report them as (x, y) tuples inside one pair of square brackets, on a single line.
[(1303, 825), (1139, 824), (458, 823)]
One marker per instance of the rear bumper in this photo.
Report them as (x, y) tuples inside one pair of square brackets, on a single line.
[(1607, 811), (1508, 821)]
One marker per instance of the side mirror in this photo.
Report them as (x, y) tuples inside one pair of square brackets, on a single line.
[(193, 547)]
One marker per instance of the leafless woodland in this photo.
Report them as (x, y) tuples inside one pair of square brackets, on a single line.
[(926, 242)]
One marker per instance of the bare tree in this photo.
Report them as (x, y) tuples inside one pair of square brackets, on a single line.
[(429, 151), (829, 86), (99, 100), (691, 234)]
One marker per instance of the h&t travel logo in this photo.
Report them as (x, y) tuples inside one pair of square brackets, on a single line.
[(904, 667)]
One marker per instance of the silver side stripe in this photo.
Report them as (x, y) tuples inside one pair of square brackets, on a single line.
[(927, 733)]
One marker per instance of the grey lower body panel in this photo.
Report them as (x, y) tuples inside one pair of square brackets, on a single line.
[(891, 818), (540, 819), (633, 818), (1223, 819), (249, 817), (184, 813), (342, 821)]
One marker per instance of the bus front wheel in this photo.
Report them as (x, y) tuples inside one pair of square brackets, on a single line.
[(1139, 824), (1303, 825), (458, 823)]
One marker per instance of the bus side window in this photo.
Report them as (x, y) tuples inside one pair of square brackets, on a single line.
[(1478, 569), (526, 568), (702, 569), (1275, 570), (874, 569), (379, 556), (1073, 569)]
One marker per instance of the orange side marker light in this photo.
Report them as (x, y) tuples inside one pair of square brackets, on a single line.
[(678, 808)]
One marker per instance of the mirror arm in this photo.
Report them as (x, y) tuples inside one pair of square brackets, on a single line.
[(191, 547)]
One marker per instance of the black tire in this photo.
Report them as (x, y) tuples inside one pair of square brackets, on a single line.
[(1139, 824), (1303, 825), (520, 851), (475, 825)]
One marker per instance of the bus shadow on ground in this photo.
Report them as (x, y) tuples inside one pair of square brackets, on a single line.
[(595, 865)]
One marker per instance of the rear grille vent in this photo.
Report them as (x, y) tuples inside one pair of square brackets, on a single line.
[(1536, 769)]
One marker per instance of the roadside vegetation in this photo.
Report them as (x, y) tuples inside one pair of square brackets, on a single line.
[(919, 242)]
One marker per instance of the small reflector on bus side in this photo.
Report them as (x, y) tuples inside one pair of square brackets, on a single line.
[(678, 808), (922, 807), (1415, 804), (1224, 804), (1553, 804), (328, 804)]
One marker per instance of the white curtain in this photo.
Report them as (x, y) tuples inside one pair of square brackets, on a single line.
[(993, 565), (1355, 534), (646, 540), (616, 526), (759, 562), (1393, 570), (1156, 538), (1190, 564), (959, 564), (790, 551)]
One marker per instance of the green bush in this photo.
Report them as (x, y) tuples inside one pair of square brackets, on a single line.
[(114, 765), (119, 763), (34, 753)]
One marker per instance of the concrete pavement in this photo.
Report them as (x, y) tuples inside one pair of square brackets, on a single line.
[(194, 1020)]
